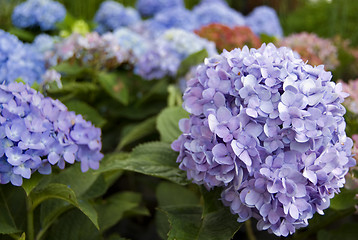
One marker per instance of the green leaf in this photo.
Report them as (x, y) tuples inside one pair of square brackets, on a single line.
[(69, 69), (50, 211), (170, 194), (88, 112), (78, 181), (63, 192), (201, 223), (29, 184), (73, 225), (168, 123), (114, 84), (192, 60), (139, 131), (22, 34), (77, 88), (7, 223), (23, 236), (346, 231), (53, 190), (345, 199), (114, 208), (155, 159)]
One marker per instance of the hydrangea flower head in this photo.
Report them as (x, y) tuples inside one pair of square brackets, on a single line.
[(148, 8), (90, 50), (37, 132), (18, 60), (175, 18), (217, 12), (112, 15), (313, 49), (269, 129), (132, 42), (38, 13), (229, 38), (264, 19), (169, 50)]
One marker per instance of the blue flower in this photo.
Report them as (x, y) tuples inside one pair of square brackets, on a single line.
[(217, 12), (112, 15), (37, 132), (148, 8), (269, 129), (170, 49), (38, 13), (264, 19), (18, 60)]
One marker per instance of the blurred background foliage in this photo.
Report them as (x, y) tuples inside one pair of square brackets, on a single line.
[(327, 18)]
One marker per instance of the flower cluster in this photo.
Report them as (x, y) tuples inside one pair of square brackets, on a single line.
[(229, 38), (352, 89), (217, 12), (269, 128), (132, 42), (38, 13), (18, 60), (112, 15), (313, 49), (38, 132), (91, 50), (149, 8), (173, 18), (264, 19), (168, 51)]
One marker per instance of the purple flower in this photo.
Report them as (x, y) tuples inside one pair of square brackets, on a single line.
[(38, 132), (269, 129)]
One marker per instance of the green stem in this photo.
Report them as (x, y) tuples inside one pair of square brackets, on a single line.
[(14, 236), (30, 220), (249, 231)]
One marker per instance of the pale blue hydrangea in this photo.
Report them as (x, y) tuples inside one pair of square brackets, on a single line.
[(132, 42), (149, 8), (38, 13), (18, 60), (176, 18), (264, 19), (269, 129), (168, 51), (112, 15), (217, 12), (38, 132)]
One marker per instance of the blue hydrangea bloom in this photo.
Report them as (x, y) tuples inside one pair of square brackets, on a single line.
[(269, 129), (37, 132), (132, 42), (148, 8), (44, 42), (168, 51), (264, 19), (38, 13), (18, 60), (217, 12), (112, 15), (175, 18)]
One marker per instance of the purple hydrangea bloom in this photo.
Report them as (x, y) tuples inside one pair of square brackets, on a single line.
[(217, 12), (38, 13), (112, 15), (148, 8), (18, 60), (264, 19), (269, 129), (169, 50), (37, 132)]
